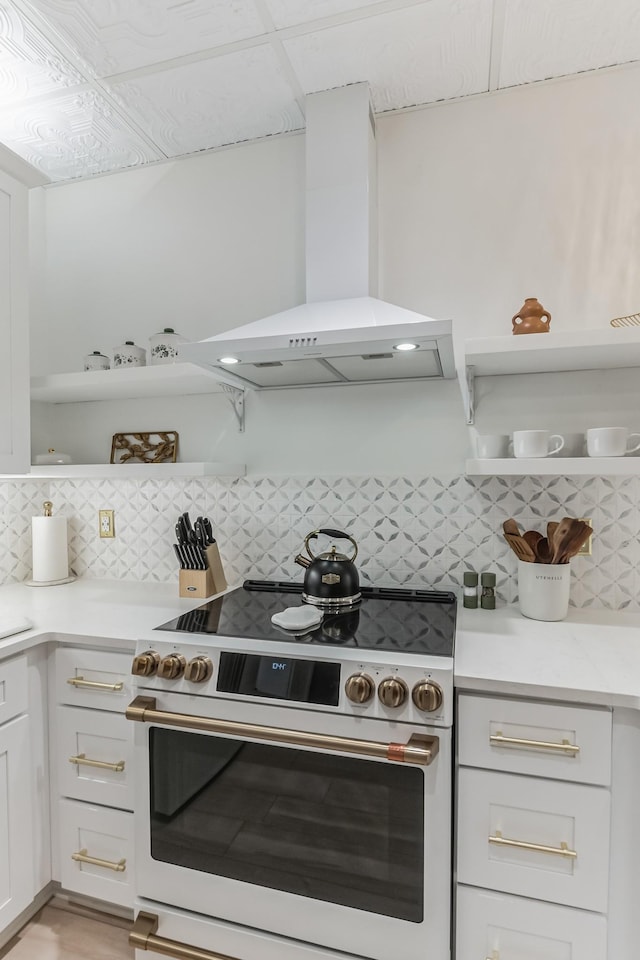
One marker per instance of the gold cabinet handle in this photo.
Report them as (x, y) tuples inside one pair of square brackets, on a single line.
[(561, 851), (420, 749), (83, 857), (82, 760), (94, 684), (498, 739), (143, 937)]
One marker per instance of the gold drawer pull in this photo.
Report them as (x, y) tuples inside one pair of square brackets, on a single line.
[(564, 747), (561, 851), (142, 937), (82, 760), (94, 684), (82, 857)]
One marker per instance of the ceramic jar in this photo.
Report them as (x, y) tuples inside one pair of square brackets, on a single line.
[(128, 355), (531, 318), (96, 361), (164, 346)]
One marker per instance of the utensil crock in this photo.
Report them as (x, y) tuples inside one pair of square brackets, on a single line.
[(543, 590)]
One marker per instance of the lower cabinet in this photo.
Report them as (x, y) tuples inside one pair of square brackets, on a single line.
[(533, 830), (496, 926), (16, 856), (96, 850), (91, 753)]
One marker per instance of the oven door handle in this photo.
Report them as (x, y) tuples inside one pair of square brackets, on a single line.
[(421, 748), (142, 937)]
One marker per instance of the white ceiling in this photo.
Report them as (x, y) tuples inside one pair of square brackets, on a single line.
[(91, 86)]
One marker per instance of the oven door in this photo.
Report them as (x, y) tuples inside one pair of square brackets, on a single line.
[(312, 833)]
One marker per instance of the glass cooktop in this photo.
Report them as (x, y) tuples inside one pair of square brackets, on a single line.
[(410, 621)]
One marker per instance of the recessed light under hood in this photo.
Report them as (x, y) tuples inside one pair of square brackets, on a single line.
[(343, 333)]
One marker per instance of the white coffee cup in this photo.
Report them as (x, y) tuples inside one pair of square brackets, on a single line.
[(611, 441), (536, 443), (492, 446)]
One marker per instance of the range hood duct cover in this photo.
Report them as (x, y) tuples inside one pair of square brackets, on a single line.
[(343, 333)]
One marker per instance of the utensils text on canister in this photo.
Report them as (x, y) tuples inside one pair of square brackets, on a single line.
[(331, 578)]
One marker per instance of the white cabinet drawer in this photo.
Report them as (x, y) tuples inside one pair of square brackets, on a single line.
[(93, 678), (541, 739), (95, 756), (502, 821), (89, 833), (14, 696), (499, 927)]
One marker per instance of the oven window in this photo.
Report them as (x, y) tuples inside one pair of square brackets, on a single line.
[(348, 831)]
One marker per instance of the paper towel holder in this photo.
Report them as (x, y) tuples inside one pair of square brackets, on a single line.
[(47, 507)]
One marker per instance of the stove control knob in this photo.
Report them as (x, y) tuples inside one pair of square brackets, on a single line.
[(359, 688), (172, 666), (427, 696), (392, 692), (198, 670), (145, 664)]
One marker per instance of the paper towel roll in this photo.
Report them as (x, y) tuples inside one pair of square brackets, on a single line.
[(49, 546)]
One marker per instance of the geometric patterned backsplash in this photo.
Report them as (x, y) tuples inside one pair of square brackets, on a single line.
[(410, 530)]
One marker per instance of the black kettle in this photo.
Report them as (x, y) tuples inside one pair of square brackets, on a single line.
[(331, 578)]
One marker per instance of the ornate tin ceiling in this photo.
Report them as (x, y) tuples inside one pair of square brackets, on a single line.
[(91, 86)]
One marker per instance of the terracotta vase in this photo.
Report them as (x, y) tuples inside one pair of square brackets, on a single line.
[(531, 318)]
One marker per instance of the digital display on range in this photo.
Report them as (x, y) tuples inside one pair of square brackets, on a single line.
[(280, 678)]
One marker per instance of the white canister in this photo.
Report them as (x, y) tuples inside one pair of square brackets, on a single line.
[(543, 590), (164, 346), (96, 361), (51, 457), (128, 355)]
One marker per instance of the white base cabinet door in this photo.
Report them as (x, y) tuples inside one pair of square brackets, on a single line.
[(16, 855), (543, 839), (96, 852), (496, 926)]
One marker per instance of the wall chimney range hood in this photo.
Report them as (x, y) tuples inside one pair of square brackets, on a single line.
[(343, 333)]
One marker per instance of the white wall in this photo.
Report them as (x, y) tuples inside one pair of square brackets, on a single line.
[(530, 192)]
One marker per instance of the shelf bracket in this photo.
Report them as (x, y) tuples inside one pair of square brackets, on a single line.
[(470, 398), (236, 399)]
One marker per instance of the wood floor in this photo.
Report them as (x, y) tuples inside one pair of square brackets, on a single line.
[(56, 934)]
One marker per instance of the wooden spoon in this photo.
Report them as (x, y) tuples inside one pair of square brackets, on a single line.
[(552, 526), (543, 551), (533, 538)]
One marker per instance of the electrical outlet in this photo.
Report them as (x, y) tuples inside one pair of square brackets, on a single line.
[(586, 550), (106, 526)]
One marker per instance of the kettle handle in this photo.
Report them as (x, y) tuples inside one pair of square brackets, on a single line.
[(338, 534)]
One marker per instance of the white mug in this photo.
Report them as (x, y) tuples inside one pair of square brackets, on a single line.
[(492, 446), (611, 441), (536, 443)]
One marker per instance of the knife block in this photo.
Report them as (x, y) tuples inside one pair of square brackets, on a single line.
[(204, 583)]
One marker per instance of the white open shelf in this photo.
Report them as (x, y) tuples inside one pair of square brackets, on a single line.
[(553, 352), (555, 466), (137, 471), (608, 349), (126, 383)]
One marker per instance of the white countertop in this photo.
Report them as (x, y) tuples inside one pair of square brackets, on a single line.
[(111, 610), (592, 657)]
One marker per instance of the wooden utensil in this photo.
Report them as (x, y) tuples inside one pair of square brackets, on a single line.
[(552, 526), (568, 539), (520, 547), (533, 537), (543, 551), (580, 533), (511, 527)]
